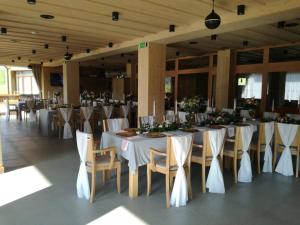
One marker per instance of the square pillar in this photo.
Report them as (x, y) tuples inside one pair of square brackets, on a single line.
[(223, 84), (151, 82), (71, 83), (118, 89)]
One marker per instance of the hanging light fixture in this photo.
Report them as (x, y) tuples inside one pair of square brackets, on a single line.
[(213, 20)]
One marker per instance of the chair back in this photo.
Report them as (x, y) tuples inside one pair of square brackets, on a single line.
[(207, 149), (170, 116), (228, 110), (171, 159), (143, 120), (270, 115), (293, 116), (115, 124), (90, 159), (238, 142), (278, 139)]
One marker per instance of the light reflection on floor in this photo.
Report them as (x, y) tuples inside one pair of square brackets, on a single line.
[(20, 183), (119, 215)]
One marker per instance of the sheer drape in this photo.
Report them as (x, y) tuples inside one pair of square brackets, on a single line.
[(87, 113), (181, 148), (37, 73), (82, 184), (253, 86), (215, 181), (108, 111), (66, 114), (292, 86)]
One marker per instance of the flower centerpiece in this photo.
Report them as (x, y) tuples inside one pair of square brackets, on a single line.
[(250, 104), (222, 118), (286, 119), (191, 106)]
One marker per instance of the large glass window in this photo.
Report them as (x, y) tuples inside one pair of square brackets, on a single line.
[(3, 80), (285, 54), (284, 89), (193, 63), (26, 83), (249, 85), (250, 57)]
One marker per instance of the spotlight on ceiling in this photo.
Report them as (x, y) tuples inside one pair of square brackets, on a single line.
[(213, 20), (110, 44), (50, 60), (47, 17), (19, 58), (281, 24), (31, 2), (241, 10), (171, 28), (46, 46), (3, 30), (63, 38), (213, 37), (88, 50), (245, 43), (33, 51), (115, 16), (177, 53), (13, 61)]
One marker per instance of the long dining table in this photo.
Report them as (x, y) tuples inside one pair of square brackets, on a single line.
[(136, 149)]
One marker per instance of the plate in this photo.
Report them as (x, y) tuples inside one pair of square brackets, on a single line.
[(190, 130), (155, 135), (126, 134)]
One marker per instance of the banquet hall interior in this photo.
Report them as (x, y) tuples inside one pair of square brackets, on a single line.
[(149, 112)]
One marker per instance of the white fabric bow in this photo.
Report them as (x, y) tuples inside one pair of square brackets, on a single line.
[(87, 113), (269, 131), (181, 147), (125, 110), (215, 181), (66, 114), (108, 111)]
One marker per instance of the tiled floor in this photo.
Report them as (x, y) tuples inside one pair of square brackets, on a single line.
[(269, 199)]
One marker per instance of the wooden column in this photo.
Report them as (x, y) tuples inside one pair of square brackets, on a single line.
[(223, 84), (71, 83), (151, 70), (117, 88)]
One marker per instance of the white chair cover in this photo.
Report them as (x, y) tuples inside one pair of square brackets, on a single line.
[(125, 110), (269, 131), (30, 105), (66, 114), (82, 184), (181, 147), (200, 117), (147, 120), (108, 111), (270, 115), (228, 110), (293, 116), (287, 133), (170, 116), (182, 116), (60, 101), (117, 124), (245, 114), (245, 171), (210, 109), (215, 181), (87, 113)]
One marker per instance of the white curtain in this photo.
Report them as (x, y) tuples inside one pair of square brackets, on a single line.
[(269, 131), (66, 114), (108, 111), (287, 133), (292, 87), (253, 86), (125, 110), (82, 184), (181, 148), (117, 124), (215, 181), (245, 171), (147, 120), (87, 113)]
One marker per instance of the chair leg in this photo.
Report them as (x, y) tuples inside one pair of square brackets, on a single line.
[(167, 190), (171, 182), (297, 164), (149, 174), (258, 161), (93, 187), (275, 157), (189, 183), (119, 179), (203, 179), (235, 169)]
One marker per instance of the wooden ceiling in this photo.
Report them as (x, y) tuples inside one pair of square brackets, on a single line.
[(88, 24)]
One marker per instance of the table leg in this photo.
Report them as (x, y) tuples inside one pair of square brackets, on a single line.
[(134, 183)]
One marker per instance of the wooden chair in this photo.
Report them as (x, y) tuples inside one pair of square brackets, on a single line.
[(167, 165), (259, 147), (202, 154), (233, 149), (91, 120), (105, 162), (279, 147), (12, 106)]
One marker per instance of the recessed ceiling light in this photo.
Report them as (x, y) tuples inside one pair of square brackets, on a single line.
[(47, 17), (3, 30), (64, 38), (241, 10), (171, 28), (19, 58), (33, 51), (110, 44), (33, 32), (88, 50), (46, 46), (193, 42), (50, 60), (13, 60), (213, 37), (31, 2), (115, 16)]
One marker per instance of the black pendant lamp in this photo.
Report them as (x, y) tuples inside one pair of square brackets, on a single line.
[(213, 20)]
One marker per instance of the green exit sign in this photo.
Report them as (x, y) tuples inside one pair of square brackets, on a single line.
[(143, 45)]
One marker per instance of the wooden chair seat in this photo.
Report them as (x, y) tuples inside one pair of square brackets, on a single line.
[(162, 163)]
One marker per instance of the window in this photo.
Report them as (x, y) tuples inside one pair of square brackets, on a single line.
[(249, 85), (284, 89), (26, 83), (194, 63), (250, 57), (284, 54), (3, 80)]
